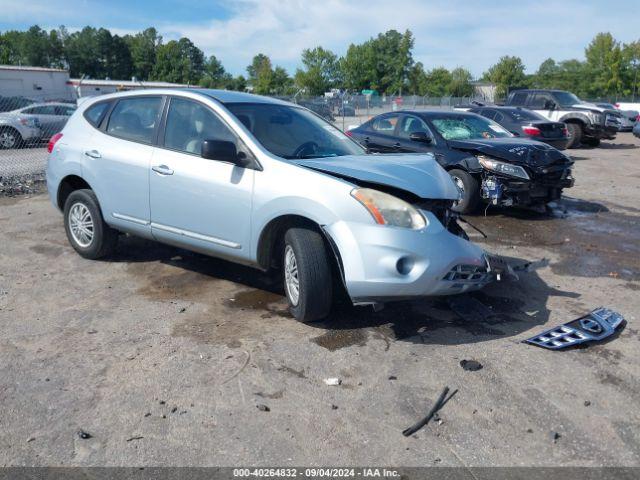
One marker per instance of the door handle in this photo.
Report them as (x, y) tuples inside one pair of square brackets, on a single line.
[(396, 145), (93, 154), (366, 139), (162, 170)]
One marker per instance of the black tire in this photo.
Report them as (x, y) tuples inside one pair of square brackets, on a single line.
[(471, 192), (315, 292), (575, 133), (103, 239), (10, 138)]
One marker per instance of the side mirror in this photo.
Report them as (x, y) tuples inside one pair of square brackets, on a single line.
[(420, 137), (223, 151)]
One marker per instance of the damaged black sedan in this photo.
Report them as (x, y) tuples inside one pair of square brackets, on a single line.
[(488, 164)]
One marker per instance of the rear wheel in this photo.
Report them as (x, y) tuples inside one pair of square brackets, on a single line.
[(10, 138), (307, 274), (86, 230), (575, 134), (469, 189)]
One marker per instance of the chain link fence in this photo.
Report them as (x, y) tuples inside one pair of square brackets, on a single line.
[(26, 124)]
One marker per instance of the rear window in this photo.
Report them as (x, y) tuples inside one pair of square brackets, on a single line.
[(519, 98), (95, 113), (525, 115), (135, 118)]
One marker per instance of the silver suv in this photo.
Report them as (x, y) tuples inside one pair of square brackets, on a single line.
[(263, 183)]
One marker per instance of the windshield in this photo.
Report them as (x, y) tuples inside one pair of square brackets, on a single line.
[(566, 99), (468, 127), (293, 132)]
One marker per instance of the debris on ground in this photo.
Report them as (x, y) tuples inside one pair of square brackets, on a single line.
[(469, 308), (392, 377), (332, 382), (471, 365), (84, 435), (30, 439), (587, 403), (334, 407), (139, 437), (263, 408), (555, 436), (441, 402), (595, 326)]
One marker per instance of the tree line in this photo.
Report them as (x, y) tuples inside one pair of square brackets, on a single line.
[(383, 63)]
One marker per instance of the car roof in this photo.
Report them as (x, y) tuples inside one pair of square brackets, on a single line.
[(231, 96), (436, 112)]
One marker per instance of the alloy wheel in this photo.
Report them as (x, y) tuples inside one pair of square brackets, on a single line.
[(291, 280), (81, 224)]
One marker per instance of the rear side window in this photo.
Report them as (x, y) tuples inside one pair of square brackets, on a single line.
[(95, 113), (385, 125), (135, 119), (519, 98), (42, 110), (65, 110)]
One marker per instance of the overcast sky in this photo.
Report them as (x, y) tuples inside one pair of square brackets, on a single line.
[(449, 33)]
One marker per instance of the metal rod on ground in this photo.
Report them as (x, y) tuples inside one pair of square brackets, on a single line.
[(437, 406)]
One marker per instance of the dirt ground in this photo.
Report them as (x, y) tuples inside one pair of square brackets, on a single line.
[(163, 356)]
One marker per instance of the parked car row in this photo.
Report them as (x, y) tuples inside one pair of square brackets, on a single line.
[(33, 123), (371, 214)]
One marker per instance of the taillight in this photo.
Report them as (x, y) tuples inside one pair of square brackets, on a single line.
[(638, 118), (52, 142), (565, 132), (349, 133), (533, 131), (617, 105)]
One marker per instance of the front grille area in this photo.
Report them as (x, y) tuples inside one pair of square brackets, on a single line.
[(467, 273)]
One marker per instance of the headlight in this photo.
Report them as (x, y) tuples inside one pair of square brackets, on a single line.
[(389, 210), (502, 167)]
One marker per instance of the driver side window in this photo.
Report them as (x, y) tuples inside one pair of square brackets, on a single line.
[(410, 124), (189, 123)]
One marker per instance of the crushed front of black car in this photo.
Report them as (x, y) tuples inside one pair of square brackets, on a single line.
[(507, 184)]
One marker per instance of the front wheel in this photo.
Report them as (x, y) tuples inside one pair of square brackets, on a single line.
[(469, 190), (575, 134), (307, 274), (86, 230)]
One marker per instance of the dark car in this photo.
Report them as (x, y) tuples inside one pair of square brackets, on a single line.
[(488, 163), (525, 123), (319, 107), (636, 128)]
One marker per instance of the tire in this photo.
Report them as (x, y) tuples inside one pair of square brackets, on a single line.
[(312, 272), (95, 240), (470, 190), (10, 138), (575, 132)]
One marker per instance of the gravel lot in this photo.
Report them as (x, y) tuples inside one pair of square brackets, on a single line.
[(163, 355)]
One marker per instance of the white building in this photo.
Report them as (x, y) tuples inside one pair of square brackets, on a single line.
[(86, 87), (38, 83)]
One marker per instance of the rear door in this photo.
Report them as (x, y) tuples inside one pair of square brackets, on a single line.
[(381, 136), (117, 160), (46, 116)]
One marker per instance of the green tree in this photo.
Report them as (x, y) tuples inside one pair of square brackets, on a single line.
[(321, 71), (438, 82), (547, 74), (382, 63), (603, 66), (260, 74), (143, 47), (631, 74), (417, 80), (460, 85), (214, 76), (179, 62), (507, 73), (281, 82)]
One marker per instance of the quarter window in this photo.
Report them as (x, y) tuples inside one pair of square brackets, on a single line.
[(189, 123), (94, 113), (135, 118)]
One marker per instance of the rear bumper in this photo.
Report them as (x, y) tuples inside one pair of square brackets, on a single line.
[(387, 263), (559, 143)]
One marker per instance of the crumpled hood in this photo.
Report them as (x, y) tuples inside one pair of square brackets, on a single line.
[(513, 149), (419, 174)]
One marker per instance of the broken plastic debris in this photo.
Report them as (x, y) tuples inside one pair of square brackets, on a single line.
[(597, 325), (332, 381), (263, 408), (471, 365)]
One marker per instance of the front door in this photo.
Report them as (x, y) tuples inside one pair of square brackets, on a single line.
[(199, 203), (411, 124), (380, 136)]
